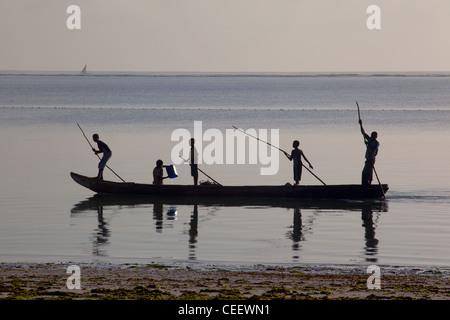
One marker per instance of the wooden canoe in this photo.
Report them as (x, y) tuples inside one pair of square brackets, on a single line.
[(348, 191)]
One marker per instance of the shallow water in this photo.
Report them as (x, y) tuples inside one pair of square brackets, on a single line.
[(47, 217)]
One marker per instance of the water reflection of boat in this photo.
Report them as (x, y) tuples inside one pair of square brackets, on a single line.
[(165, 208), (129, 200), (348, 191)]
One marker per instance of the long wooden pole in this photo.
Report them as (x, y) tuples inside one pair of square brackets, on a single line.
[(280, 150), (97, 154), (373, 165), (202, 172)]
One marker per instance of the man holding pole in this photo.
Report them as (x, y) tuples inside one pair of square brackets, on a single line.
[(102, 148), (371, 152), (193, 162)]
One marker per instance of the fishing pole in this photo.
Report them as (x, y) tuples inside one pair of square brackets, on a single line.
[(278, 149), (202, 172), (359, 113), (97, 154), (373, 164)]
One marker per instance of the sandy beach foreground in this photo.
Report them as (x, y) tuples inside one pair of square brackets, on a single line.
[(209, 282)]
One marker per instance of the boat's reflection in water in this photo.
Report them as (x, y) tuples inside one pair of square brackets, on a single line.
[(166, 209)]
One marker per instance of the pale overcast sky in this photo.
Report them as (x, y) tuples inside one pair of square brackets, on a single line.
[(225, 36)]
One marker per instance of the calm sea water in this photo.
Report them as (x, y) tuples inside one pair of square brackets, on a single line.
[(46, 217)]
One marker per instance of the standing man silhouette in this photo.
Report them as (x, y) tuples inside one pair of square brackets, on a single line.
[(193, 162), (102, 148), (372, 145)]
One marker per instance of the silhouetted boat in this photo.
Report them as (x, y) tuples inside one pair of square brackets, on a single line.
[(348, 191)]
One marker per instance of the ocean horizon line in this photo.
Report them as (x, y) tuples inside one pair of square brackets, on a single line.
[(226, 73)]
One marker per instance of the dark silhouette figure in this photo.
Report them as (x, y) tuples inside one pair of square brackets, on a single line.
[(372, 145), (297, 155), (193, 162), (102, 148), (158, 173)]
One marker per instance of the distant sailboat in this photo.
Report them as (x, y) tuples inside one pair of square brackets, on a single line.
[(84, 70)]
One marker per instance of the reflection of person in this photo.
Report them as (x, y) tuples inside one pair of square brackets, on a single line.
[(193, 233), (371, 152), (297, 155), (158, 172), (158, 215), (102, 148), (371, 247), (193, 162)]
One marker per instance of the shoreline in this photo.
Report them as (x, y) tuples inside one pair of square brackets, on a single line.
[(127, 281)]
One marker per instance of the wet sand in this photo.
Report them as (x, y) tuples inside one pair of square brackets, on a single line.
[(178, 282)]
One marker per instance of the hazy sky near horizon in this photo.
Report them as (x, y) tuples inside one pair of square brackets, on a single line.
[(225, 36)]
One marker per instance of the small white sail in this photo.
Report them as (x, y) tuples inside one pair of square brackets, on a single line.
[(84, 70)]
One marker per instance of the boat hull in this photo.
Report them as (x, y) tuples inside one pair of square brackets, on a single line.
[(321, 192)]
